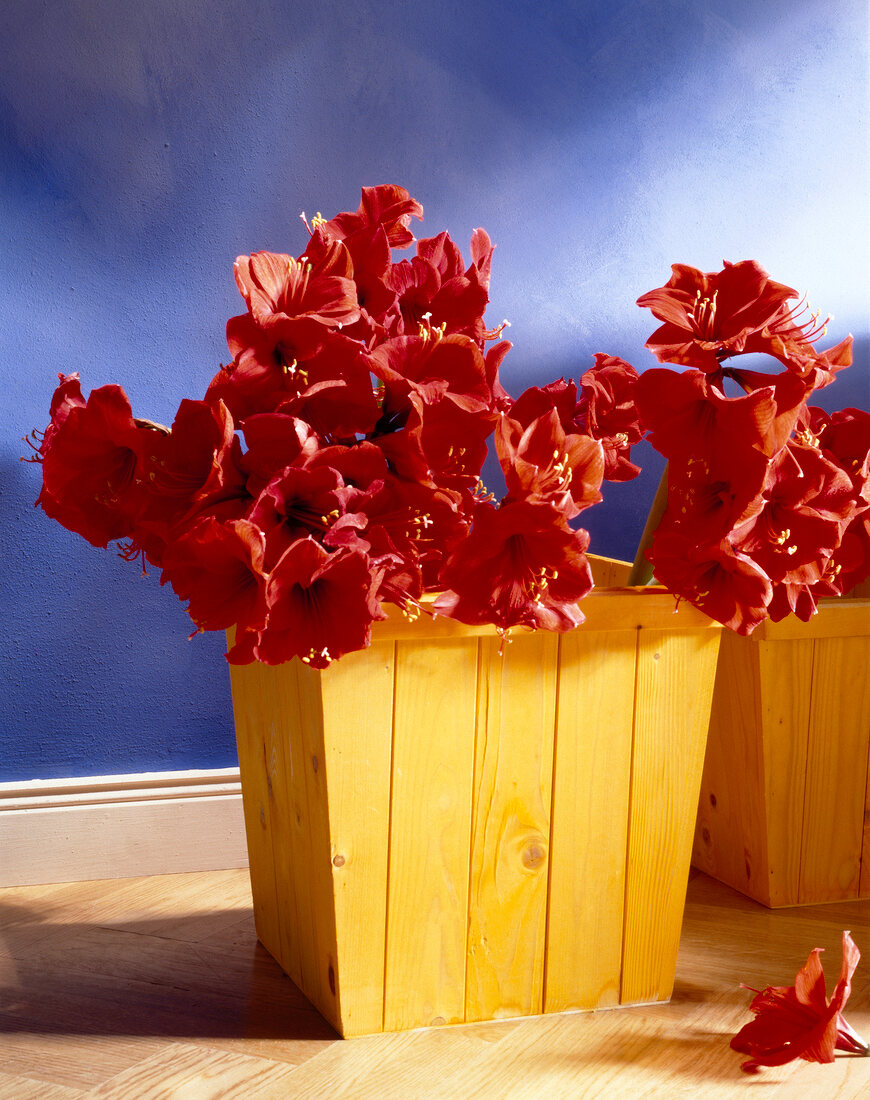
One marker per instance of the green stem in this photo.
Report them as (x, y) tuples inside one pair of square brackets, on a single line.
[(642, 570)]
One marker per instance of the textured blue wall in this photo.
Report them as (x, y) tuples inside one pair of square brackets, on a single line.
[(144, 145)]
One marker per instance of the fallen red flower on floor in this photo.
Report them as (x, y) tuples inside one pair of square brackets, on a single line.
[(799, 1021)]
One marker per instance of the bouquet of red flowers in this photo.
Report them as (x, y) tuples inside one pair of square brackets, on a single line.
[(334, 464)]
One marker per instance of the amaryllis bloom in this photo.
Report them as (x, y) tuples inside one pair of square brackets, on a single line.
[(787, 391), (369, 250), (91, 456), (709, 498), (439, 446), (844, 438), (388, 206), (296, 503), (687, 417), (725, 584), (66, 397), (436, 287), (808, 502), (709, 316), (560, 395), (218, 568), (321, 605), (790, 340), (434, 366), (543, 464), (608, 411), (521, 565), (292, 295), (333, 391), (849, 565), (799, 1021), (274, 440)]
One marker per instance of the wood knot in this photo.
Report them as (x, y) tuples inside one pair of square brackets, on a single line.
[(713, 800), (705, 836), (338, 861), (330, 974), (533, 856), (437, 1021)]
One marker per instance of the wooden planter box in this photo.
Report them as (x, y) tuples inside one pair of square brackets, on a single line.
[(439, 834), (784, 813)]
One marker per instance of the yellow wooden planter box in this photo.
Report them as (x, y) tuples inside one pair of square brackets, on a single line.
[(784, 813), (438, 834)]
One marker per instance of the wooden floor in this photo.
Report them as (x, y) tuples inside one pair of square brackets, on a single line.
[(156, 987)]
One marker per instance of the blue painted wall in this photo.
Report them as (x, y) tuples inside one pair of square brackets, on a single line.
[(144, 145)]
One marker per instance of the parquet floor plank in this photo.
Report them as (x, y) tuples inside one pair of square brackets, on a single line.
[(147, 989)]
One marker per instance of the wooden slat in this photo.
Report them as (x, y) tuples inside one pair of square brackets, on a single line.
[(836, 618), (307, 848), (254, 732), (590, 820), (864, 885), (433, 762), (839, 741), (605, 609), (785, 671), (731, 830), (675, 675), (609, 572), (511, 828), (358, 718)]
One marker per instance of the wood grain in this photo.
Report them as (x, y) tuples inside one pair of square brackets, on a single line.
[(590, 820), (675, 674), (784, 813), (837, 754), (430, 824), (156, 988), (507, 904)]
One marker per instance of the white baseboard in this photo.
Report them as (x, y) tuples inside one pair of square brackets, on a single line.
[(120, 826)]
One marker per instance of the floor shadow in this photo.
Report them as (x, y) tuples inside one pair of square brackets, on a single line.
[(199, 976)]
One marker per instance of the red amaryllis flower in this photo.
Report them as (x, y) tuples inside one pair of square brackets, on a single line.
[(291, 295), (388, 206), (709, 316), (808, 502), (92, 463), (688, 417), (608, 411), (274, 441), (560, 395), (799, 1021), (439, 446), (297, 502), (435, 367), (849, 565), (725, 584), (792, 344), (520, 566), (379, 312), (218, 568), (543, 464), (709, 498), (435, 287), (66, 397), (787, 391), (334, 391), (321, 605)]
